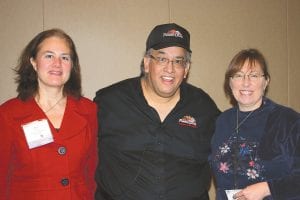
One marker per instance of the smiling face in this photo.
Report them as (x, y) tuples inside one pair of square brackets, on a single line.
[(248, 86), (164, 80), (53, 63)]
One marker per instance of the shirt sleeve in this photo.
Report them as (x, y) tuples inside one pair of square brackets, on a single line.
[(287, 187), (5, 155)]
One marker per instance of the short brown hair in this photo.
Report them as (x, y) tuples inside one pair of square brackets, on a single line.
[(252, 56)]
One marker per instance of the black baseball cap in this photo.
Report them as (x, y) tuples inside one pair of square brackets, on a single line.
[(168, 35)]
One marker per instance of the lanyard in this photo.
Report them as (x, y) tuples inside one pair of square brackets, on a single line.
[(236, 145)]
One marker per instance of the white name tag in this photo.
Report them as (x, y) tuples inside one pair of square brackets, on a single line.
[(37, 133), (230, 193)]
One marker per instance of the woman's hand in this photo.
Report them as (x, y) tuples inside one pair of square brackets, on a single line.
[(253, 192)]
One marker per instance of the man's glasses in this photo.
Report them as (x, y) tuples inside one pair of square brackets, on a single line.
[(252, 76), (179, 63)]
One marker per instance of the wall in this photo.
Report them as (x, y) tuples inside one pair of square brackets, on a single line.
[(110, 36), (293, 52)]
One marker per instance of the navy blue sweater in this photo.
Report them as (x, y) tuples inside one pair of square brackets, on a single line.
[(266, 148)]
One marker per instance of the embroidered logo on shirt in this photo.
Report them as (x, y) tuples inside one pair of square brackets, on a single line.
[(188, 121)]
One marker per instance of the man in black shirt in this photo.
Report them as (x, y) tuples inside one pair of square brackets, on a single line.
[(155, 130)]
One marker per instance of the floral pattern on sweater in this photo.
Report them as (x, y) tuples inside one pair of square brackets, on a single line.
[(239, 156)]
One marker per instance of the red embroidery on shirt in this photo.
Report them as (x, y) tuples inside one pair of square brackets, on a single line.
[(188, 121)]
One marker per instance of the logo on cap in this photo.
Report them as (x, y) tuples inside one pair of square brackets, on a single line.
[(172, 33)]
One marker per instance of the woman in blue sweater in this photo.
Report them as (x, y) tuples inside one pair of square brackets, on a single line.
[(256, 145)]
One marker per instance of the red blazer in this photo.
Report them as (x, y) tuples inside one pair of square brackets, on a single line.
[(63, 169)]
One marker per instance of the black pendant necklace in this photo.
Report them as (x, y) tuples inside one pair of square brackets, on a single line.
[(236, 147), (238, 124)]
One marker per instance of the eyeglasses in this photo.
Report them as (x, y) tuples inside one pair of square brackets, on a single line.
[(179, 63), (252, 77)]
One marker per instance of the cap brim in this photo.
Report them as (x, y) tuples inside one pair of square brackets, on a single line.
[(169, 44)]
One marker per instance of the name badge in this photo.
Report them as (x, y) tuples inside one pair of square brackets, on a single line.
[(37, 133), (230, 193)]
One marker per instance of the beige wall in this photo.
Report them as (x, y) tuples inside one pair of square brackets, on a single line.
[(110, 37), (293, 52)]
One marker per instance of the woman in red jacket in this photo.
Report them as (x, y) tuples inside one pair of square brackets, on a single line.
[(48, 132)]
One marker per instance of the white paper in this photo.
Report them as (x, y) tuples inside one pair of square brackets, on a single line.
[(37, 133), (230, 193)]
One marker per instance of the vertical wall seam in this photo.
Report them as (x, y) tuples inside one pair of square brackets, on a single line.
[(43, 14), (169, 6), (288, 53)]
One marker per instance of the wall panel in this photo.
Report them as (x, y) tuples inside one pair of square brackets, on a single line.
[(294, 54), (19, 23)]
